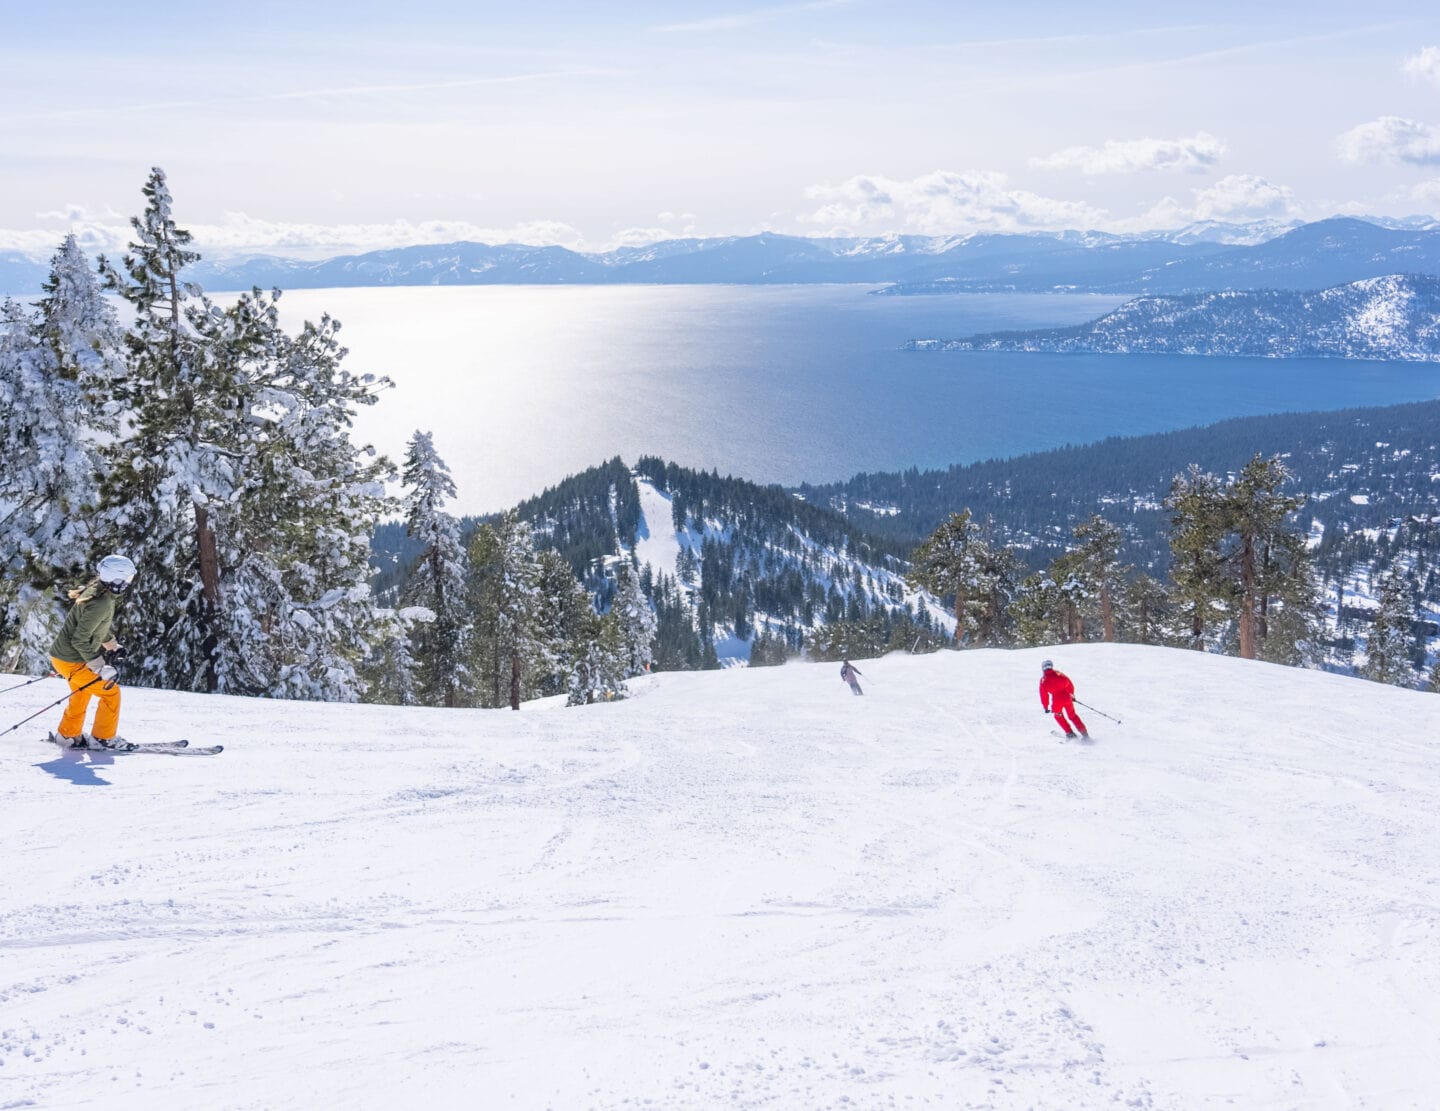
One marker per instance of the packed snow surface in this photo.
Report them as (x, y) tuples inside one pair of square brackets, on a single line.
[(743, 889)]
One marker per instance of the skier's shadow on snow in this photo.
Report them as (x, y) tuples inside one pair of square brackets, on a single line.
[(78, 767)]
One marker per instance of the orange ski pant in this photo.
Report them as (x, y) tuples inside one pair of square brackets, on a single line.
[(107, 717)]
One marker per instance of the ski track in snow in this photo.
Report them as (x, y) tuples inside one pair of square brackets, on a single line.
[(744, 889)]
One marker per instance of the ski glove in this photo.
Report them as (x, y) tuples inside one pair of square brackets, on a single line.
[(116, 654), (108, 673)]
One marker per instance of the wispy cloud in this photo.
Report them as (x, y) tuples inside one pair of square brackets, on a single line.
[(1391, 139), (735, 21), (1424, 66), (335, 92), (1129, 156)]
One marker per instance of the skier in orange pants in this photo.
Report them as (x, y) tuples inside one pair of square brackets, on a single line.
[(85, 654)]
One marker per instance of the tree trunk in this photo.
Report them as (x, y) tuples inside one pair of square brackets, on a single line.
[(1262, 627), (959, 617), (1247, 598), (209, 593), (514, 680), (1107, 611), (1144, 620)]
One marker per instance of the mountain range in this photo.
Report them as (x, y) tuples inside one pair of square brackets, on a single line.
[(1394, 317), (1198, 257)]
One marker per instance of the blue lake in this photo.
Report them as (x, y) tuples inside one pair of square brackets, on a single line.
[(522, 385)]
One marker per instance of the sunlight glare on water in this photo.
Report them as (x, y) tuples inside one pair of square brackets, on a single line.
[(522, 385)]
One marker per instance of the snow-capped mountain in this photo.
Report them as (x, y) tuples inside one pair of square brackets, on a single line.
[(1265, 254), (1394, 317), (740, 889), (20, 274)]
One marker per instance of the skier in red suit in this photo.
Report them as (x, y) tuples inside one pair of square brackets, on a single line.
[(1057, 695)]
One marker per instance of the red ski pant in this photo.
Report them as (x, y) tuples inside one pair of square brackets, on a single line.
[(107, 718), (1060, 710)]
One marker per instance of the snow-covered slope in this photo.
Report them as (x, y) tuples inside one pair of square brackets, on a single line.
[(743, 888)]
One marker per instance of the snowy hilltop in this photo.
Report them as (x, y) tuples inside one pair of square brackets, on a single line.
[(743, 888), (1394, 317)]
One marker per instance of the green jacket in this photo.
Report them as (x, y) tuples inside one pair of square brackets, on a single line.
[(87, 626)]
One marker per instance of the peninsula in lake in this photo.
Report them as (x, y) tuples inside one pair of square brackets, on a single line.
[(1396, 317)]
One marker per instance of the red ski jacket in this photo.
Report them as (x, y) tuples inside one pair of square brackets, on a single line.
[(1056, 690)]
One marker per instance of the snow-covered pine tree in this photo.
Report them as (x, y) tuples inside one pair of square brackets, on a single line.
[(1197, 528), (1147, 611), (956, 559), (442, 646), (238, 491), (1098, 564), (58, 366), (297, 615), (389, 671), (565, 626), (504, 592), (1387, 647), (597, 669), (637, 621), (1257, 513)]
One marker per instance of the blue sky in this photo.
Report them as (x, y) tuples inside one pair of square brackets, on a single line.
[(322, 127)]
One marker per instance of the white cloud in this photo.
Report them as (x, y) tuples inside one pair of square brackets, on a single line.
[(1391, 139), (1428, 192), (1243, 197), (1129, 156), (238, 233), (1425, 66), (944, 202)]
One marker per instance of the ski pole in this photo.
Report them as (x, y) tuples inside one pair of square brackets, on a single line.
[(52, 706), (1102, 713), (37, 679)]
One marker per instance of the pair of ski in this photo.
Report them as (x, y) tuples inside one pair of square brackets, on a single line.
[(162, 748), (1077, 738)]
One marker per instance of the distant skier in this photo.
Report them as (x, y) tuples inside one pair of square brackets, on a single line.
[(1057, 695), (85, 654), (848, 672)]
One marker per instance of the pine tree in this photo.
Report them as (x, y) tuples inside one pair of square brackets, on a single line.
[(636, 620), (482, 591), (1098, 564), (1256, 517), (1197, 528), (956, 560), (442, 646), (517, 605), (389, 671), (1038, 611), (565, 627), (1387, 648), (1147, 611), (58, 365), (597, 671), (238, 491)]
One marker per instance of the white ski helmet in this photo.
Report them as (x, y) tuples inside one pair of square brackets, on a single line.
[(116, 572), (1047, 665)]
